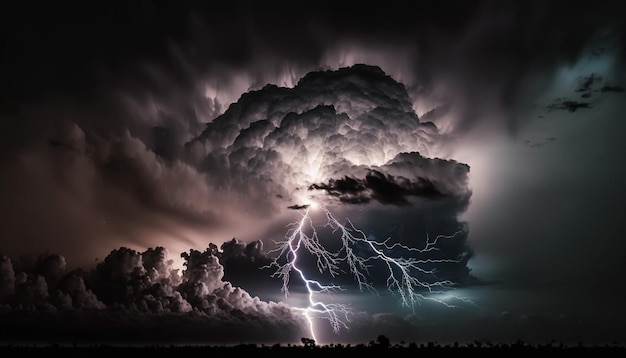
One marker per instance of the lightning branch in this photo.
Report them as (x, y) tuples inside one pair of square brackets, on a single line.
[(359, 254)]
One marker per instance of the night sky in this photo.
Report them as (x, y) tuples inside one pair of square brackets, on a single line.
[(199, 172)]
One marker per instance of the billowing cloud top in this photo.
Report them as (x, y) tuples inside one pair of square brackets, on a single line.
[(346, 139), (351, 134)]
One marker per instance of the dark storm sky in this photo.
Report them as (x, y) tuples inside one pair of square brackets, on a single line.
[(104, 109)]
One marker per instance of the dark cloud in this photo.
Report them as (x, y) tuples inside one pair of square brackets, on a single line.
[(298, 207), (139, 297), (587, 86), (246, 265), (449, 54), (608, 88), (587, 82), (568, 105), (378, 186), (348, 190)]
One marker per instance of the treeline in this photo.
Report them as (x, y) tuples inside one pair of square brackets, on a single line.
[(309, 350)]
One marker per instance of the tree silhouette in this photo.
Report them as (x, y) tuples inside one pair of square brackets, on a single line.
[(383, 341), (308, 342)]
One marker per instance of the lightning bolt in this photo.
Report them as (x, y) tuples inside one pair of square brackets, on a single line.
[(403, 279)]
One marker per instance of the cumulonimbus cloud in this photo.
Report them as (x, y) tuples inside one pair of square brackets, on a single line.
[(347, 139), (353, 123)]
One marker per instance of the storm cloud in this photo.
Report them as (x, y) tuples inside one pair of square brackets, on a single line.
[(208, 129), (346, 139), (353, 121), (137, 297)]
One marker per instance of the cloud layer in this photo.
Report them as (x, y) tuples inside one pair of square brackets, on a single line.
[(139, 298)]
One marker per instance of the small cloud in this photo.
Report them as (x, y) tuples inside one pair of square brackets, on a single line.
[(587, 85), (607, 88), (587, 82), (298, 207), (568, 105)]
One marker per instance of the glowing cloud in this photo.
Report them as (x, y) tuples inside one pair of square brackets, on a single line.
[(331, 124), (337, 140)]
